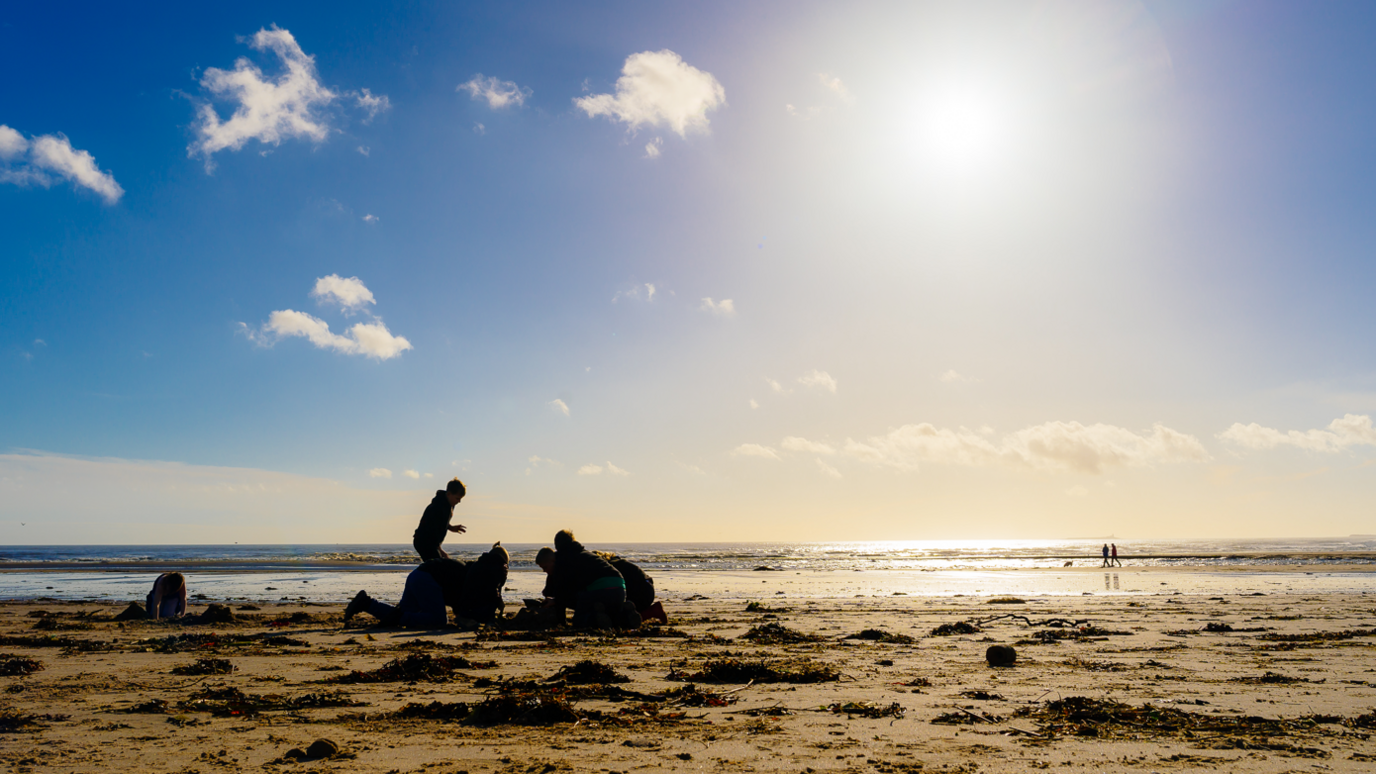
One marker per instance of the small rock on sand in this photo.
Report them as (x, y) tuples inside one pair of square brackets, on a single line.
[(1001, 655)]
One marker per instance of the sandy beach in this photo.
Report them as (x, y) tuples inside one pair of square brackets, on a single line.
[(1243, 682)]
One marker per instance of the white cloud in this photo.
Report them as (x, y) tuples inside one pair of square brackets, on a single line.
[(827, 470), (559, 405), (36, 161), (372, 105), (363, 149), (754, 450), (1049, 446), (498, 93), (380, 473), (952, 376), (1350, 430), (820, 380), (794, 443), (723, 308), (754, 404), (411, 474), (291, 105), (429, 475), (479, 129), (657, 88), (652, 148), (370, 218), (590, 470), (833, 84), (351, 294), (615, 471), (774, 385), (636, 292)]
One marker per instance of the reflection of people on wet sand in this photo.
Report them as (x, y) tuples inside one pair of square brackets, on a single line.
[(1105, 564), (1113, 553)]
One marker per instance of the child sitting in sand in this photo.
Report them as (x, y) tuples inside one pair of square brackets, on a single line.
[(640, 587), (168, 597), (588, 583)]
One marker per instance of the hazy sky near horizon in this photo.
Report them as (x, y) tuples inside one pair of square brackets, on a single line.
[(687, 271)]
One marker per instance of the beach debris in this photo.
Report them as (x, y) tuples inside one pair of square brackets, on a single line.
[(12, 720), (232, 702), (1000, 655), (879, 635), (18, 666), (1317, 637), (417, 667), (214, 613), (320, 749), (51, 623), (1217, 627), (867, 709), (961, 627), (760, 607), (530, 709), (1055, 622), (1084, 632), (134, 612), (964, 717), (210, 641), (1087, 717), (588, 671), (150, 707), (919, 682), (205, 666), (982, 695), (691, 696), (1097, 666), (1271, 678), (767, 568), (773, 633), (733, 670), (1006, 601)]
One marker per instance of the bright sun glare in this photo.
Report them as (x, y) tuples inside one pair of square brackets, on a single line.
[(964, 129)]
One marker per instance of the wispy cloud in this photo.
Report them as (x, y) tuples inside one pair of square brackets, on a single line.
[(951, 376), (652, 148), (535, 461), (560, 406), (1050, 446), (411, 474), (794, 443), (37, 161), (371, 218), (657, 88), (754, 450), (380, 473), (290, 105), (827, 470), (723, 308), (775, 386), (818, 380), (637, 292), (597, 470), (371, 339), (498, 93), (1350, 430)]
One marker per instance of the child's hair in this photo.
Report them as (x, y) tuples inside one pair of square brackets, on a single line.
[(175, 582), (545, 554), (456, 487), (499, 552), (563, 539)]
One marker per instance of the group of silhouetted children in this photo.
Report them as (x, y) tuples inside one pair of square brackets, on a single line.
[(603, 590)]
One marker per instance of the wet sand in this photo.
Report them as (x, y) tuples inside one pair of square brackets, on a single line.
[(1122, 683)]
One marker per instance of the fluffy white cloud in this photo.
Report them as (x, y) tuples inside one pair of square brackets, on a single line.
[(380, 473), (370, 218), (1048, 446), (350, 294), (590, 470), (794, 443), (410, 474), (37, 161), (559, 405), (723, 308), (657, 88), (652, 148), (820, 380), (1350, 430), (498, 93), (292, 105), (615, 471), (754, 450), (774, 385), (834, 85), (371, 339)]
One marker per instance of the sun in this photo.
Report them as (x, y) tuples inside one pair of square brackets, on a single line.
[(964, 128)]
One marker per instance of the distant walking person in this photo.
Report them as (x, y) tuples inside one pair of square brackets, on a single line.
[(1105, 564), (434, 523), (1113, 552), (168, 597)]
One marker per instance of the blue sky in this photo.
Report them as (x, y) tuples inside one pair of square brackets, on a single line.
[(711, 271)]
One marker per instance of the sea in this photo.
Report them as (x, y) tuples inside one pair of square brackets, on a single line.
[(333, 573)]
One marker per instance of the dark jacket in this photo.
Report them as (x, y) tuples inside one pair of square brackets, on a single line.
[(481, 596), (640, 588), (575, 568), (434, 523), (450, 574)]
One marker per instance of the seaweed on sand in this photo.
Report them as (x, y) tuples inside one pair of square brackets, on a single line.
[(12, 720), (961, 627), (1084, 716), (777, 634), (867, 709), (211, 641), (588, 671), (18, 666), (232, 702), (205, 666), (417, 667), (879, 635), (691, 696), (68, 644), (733, 670), (1270, 678), (1076, 633), (1315, 637)]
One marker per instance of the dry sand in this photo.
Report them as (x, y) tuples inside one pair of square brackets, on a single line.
[(1276, 683)]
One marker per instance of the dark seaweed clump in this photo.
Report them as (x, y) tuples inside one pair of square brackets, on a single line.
[(415, 668), (1318, 636), (589, 671), (232, 702), (1076, 633), (777, 634), (18, 666), (205, 666), (867, 709), (12, 720), (962, 627), (732, 670), (879, 635)]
